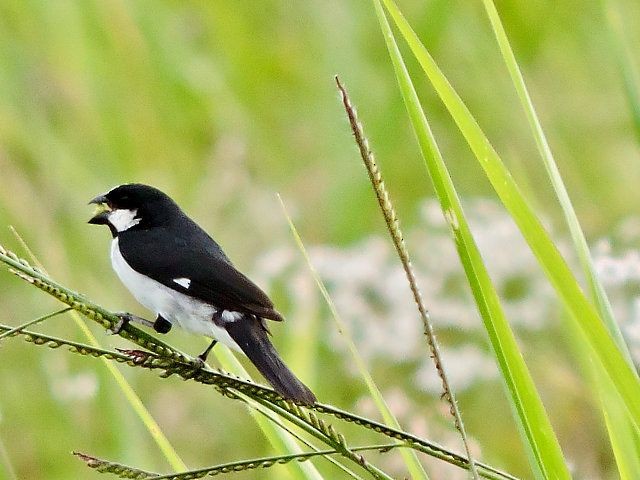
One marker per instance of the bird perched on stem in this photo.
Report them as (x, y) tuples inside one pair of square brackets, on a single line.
[(176, 270)]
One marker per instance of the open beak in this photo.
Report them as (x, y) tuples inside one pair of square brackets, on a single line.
[(101, 214)]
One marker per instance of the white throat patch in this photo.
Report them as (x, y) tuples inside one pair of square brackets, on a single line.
[(123, 219)]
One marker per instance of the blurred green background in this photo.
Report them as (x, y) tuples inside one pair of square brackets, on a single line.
[(223, 104)]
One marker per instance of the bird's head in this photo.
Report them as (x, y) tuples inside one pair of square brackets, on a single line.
[(132, 205)]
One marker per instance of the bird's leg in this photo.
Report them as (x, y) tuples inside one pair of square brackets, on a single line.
[(203, 356), (162, 325), (126, 318), (218, 320)]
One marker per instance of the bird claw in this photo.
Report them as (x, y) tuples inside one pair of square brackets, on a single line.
[(199, 362), (125, 318), (201, 359)]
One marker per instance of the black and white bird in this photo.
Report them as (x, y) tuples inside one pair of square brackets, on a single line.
[(176, 270)]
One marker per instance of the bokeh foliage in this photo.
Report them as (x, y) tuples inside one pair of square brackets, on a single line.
[(223, 103)]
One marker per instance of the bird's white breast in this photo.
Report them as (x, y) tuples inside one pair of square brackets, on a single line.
[(181, 310)]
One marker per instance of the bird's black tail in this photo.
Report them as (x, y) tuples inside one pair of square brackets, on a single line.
[(251, 337)]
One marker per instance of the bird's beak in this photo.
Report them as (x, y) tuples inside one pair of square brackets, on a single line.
[(99, 199), (101, 214)]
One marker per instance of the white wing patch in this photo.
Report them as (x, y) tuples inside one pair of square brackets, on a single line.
[(183, 282), (179, 308), (228, 316)]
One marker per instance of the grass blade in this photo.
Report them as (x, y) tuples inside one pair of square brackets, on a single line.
[(33, 322), (622, 435), (411, 460), (273, 419), (624, 438), (626, 60), (6, 462), (170, 454), (171, 361), (604, 348), (579, 241), (280, 439), (539, 437)]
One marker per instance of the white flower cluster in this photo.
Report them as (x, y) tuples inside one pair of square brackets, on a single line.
[(617, 263), (368, 286)]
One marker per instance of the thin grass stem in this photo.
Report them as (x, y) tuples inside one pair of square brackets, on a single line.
[(272, 418), (171, 361), (228, 384), (410, 458), (393, 226), (124, 471), (34, 322), (170, 453), (626, 58)]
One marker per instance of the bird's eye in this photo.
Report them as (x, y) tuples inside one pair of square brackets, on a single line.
[(124, 200)]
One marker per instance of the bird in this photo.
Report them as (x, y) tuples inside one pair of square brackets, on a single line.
[(177, 271)]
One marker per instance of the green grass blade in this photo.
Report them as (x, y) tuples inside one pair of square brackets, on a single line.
[(622, 435), (327, 434), (5, 461), (626, 60), (582, 311), (276, 421), (539, 438), (170, 454), (34, 322), (136, 404), (280, 439), (410, 458), (579, 241), (393, 227)]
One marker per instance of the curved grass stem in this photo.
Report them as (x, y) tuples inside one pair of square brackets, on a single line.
[(393, 226), (171, 361), (411, 460), (33, 322), (124, 471), (156, 433)]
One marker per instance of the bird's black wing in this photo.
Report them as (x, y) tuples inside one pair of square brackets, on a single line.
[(167, 255)]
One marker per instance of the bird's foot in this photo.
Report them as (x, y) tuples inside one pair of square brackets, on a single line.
[(126, 318), (199, 363), (202, 358)]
